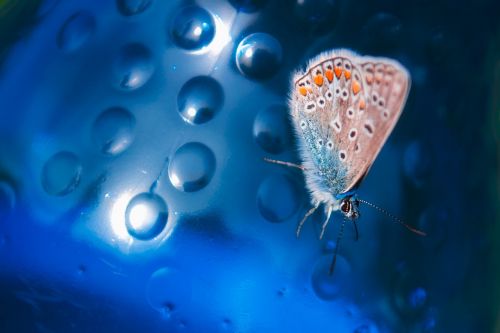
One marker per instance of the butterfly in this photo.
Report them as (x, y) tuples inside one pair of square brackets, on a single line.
[(343, 108)]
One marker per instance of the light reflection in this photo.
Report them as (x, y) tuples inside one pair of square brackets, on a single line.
[(221, 39)]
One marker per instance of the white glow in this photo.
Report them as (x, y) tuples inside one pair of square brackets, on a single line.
[(175, 180), (139, 216), (249, 53), (220, 40), (191, 112), (197, 31), (118, 217)]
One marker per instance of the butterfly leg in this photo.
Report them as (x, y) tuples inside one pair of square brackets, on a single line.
[(323, 226), (309, 213), (337, 246), (288, 164)]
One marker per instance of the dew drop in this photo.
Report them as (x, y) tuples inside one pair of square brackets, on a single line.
[(61, 173), (200, 99), (192, 167), (133, 66), (259, 56), (192, 28), (113, 130), (326, 286), (271, 129), (76, 31), (132, 7), (278, 198), (146, 216)]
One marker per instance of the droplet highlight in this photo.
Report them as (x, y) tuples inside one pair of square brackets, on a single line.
[(192, 28), (146, 216), (192, 167), (259, 56), (113, 130), (278, 198), (200, 99), (61, 173)]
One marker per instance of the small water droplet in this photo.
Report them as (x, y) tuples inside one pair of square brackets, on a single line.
[(76, 31), (278, 198), (132, 7), (271, 129), (259, 56), (133, 66), (167, 310), (192, 28), (328, 286), (191, 167), (113, 130), (199, 99), (146, 216), (61, 173)]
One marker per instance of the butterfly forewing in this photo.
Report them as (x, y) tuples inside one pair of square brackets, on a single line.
[(345, 106)]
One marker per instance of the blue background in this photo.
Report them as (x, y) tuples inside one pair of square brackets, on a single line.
[(134, 196)]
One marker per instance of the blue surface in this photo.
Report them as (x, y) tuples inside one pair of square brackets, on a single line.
[(134, 196)]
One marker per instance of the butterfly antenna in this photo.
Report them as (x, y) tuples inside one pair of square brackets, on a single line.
[(337, 245), (395, 218)]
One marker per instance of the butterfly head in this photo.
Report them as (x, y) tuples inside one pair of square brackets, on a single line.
[(349, 207)]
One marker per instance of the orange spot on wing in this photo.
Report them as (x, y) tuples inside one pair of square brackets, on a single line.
[(329, 75), (356, 87), (362, 104), (303, 91), (347, 74), (318, 79), (338, 72)]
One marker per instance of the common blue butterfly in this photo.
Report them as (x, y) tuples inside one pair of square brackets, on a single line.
[(343, 108)]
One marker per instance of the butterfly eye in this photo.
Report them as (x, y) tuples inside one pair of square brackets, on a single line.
[(345, 206), (329, 145)]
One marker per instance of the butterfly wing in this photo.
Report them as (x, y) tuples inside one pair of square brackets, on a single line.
[(344, 107)]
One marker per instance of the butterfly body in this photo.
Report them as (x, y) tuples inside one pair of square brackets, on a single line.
[(343, 108)]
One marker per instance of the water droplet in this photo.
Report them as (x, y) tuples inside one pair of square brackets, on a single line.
[(113, 130), (61, 173), (408, 297), (76, 31), (417, 163), (248, 6), (226, 324), (278, 198), (192, 167), (133, 66), (199, 99), (169, 288), (7, 199), (192, 28), (167, 310), (272, 130), (146, 216), (132, 7), (326, 286), (259, 56)]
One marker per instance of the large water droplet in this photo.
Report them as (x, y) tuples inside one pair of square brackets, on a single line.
[(278, 198), (328, 286), (113, 130), (7, 199), (132, 7), (133, 66), (259, 56), (272, 129), (146, 216), (76, 31), (248, 6), (61, 173), (191, 167), (199, 99), (192, 28)]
